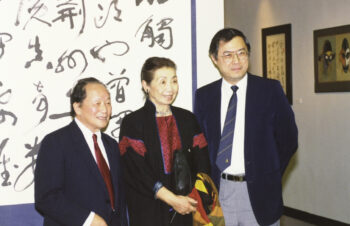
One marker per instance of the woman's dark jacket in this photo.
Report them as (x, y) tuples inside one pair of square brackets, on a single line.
[(142, 161)]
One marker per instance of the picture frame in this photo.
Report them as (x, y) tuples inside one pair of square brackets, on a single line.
[(277, 56), (331, 59)]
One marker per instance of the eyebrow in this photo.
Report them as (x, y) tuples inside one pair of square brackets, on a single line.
[(231, 51), (163, 76)]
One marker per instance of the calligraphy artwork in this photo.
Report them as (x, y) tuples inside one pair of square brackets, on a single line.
[(46, 46), (277, 60)]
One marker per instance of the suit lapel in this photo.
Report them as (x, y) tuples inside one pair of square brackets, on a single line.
[(252, 97), (84, 152), (214, 116)]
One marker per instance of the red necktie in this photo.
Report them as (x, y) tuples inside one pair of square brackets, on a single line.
[(104, 170)]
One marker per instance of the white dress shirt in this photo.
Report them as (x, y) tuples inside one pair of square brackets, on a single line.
[(88, 138), (237, 157)]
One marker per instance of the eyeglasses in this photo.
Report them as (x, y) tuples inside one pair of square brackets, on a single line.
[(241, 54)]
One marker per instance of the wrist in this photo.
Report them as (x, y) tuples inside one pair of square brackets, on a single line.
[(166, 196), (157, 186)]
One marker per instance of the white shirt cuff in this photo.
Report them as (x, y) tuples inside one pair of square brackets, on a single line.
[(88, 220)]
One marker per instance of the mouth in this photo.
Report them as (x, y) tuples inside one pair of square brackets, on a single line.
[(168, 97), (236, 69), (102, 118)]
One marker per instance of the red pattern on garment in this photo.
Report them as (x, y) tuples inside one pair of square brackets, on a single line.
[(199, 140), (170, 140), (137, 145), (200, 208)]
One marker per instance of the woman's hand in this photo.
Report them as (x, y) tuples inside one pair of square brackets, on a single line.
[(181, 204), (184, 204)]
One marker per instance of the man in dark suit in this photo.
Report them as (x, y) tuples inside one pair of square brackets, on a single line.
[(251, 134), (77, 175)]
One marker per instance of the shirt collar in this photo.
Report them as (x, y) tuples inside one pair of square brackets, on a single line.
[(242, 84), (86, 131)]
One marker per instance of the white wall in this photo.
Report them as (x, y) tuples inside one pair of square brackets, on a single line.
[(318, 178), (209, 20)]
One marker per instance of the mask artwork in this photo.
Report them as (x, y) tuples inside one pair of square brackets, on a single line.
[(326, 56), (344, 55)]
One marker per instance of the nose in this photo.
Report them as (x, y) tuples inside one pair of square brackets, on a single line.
[(103, 107), (169, 87), (235, 58)]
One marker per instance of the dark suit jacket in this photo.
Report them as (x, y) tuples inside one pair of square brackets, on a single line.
[(271, 138), (68, 183)]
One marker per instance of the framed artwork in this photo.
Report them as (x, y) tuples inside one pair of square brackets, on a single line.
[(277, 57), (331, 59)]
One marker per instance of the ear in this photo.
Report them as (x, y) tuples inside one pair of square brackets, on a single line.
[(215, 61), (145, 86), (76, 107)]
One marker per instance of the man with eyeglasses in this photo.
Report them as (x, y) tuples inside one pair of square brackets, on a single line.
[(251, 134)]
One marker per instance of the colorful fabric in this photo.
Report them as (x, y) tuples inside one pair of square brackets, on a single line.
[(170, 140), (137, 145), (209, 212), (200, 141)]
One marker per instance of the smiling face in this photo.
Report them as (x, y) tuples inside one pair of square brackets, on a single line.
[(95, 110), (234, 68), (163, 88)]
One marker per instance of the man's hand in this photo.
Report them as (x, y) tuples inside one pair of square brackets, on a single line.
[(98, 221)]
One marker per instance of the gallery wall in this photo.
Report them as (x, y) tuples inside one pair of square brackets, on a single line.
[(317, 180)]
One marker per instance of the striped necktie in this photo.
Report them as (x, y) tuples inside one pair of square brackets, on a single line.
[(223, 159)]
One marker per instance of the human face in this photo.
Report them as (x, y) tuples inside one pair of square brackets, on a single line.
[(232, 64), (95, 110), (163, 88)]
